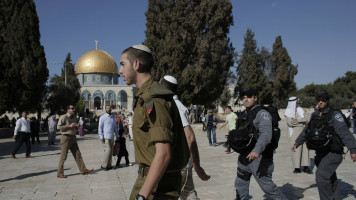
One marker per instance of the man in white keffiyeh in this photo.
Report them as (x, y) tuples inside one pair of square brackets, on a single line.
[(296, 121)]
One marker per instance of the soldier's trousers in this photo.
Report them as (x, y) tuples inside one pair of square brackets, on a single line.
[(262, 171), (168, 187), (326, 179)]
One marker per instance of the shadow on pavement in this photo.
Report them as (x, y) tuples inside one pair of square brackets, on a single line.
[(24, 176), (292, 192), (347, 189), (8, 147)]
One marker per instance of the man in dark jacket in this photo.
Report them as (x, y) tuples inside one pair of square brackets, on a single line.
[(327, 133)]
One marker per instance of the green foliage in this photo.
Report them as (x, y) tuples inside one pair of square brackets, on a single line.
[(251, 68), (282, 74), (189, 41), (80, 107), (62, 95), (24, 72), (342, 92), (225, 97)]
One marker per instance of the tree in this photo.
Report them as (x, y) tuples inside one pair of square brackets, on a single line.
[(225, 97), (189, 41), (80, 107), (62, 95), (24, 72), (250, 69), (342, 92), (282, 74)]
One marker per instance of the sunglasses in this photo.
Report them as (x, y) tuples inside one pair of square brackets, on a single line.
[(322, 99), (72, 108)]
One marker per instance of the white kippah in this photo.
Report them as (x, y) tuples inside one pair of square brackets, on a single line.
[(171, 79), (142, 48), (293, 98)]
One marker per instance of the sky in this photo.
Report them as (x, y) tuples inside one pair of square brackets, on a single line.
[(319, 35)]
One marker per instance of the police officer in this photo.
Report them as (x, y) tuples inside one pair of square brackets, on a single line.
[(259, 161), (325, 122), (161, 150)]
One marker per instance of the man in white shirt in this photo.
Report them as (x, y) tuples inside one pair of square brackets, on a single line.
[(107, 131), (130, 118), (22, 133), (188, 190)]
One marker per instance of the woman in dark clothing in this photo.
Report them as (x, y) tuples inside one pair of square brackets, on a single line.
[(123, 151)]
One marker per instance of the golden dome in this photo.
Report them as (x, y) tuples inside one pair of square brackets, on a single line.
[(96, 61)]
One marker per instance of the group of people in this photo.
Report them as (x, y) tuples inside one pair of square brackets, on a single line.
[(166, 149), (26, 130), (109, 129)]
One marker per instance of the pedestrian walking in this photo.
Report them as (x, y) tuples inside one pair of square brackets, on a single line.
[(68, 125), (52, 130), (22, 135), (122, 150), (35, 130), (327, 133), (296, 121), (161, 149), (257, 160), (231, 118), (81, 127), (107, 130), (188, 189), (130, 120), (211, 122)]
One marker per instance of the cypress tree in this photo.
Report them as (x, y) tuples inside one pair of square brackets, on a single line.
[(250, 70), (282, 74), (189, 41), (24, 72)]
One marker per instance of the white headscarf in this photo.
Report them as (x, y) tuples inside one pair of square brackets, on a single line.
[(291, 108), (81, 122)]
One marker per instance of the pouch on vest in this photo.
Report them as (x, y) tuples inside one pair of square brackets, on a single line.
[(243, 139), (322, 137)]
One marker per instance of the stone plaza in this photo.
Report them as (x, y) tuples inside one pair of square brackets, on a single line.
[(35, 178)]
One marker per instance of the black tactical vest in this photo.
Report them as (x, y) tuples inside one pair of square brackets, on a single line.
[(243, 139), (321, 136)]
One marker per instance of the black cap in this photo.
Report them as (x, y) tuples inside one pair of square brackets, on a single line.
[(249, 92), (322, 95)]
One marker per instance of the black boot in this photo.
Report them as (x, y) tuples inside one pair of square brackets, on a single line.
[(307, 170), (297, 171)]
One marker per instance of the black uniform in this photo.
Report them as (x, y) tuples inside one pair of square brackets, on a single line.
[(328, 158)]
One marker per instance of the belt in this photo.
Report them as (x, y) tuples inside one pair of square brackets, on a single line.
[(23, 132), (68, 135), (143, 170)]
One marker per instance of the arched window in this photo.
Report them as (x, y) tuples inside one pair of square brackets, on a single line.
[(122, 99), (98, 98), (110, 99)]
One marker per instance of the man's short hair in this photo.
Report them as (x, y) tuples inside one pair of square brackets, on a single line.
[(69, 106), (249, 92), (145, 58), (322, 95), (229, 107), (170, 83)]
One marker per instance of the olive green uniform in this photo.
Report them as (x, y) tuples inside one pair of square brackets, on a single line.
[(157, 119)]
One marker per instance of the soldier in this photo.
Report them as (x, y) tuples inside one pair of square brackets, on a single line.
[(327, 133), (161, 150), (188, 189), (257, 160)]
